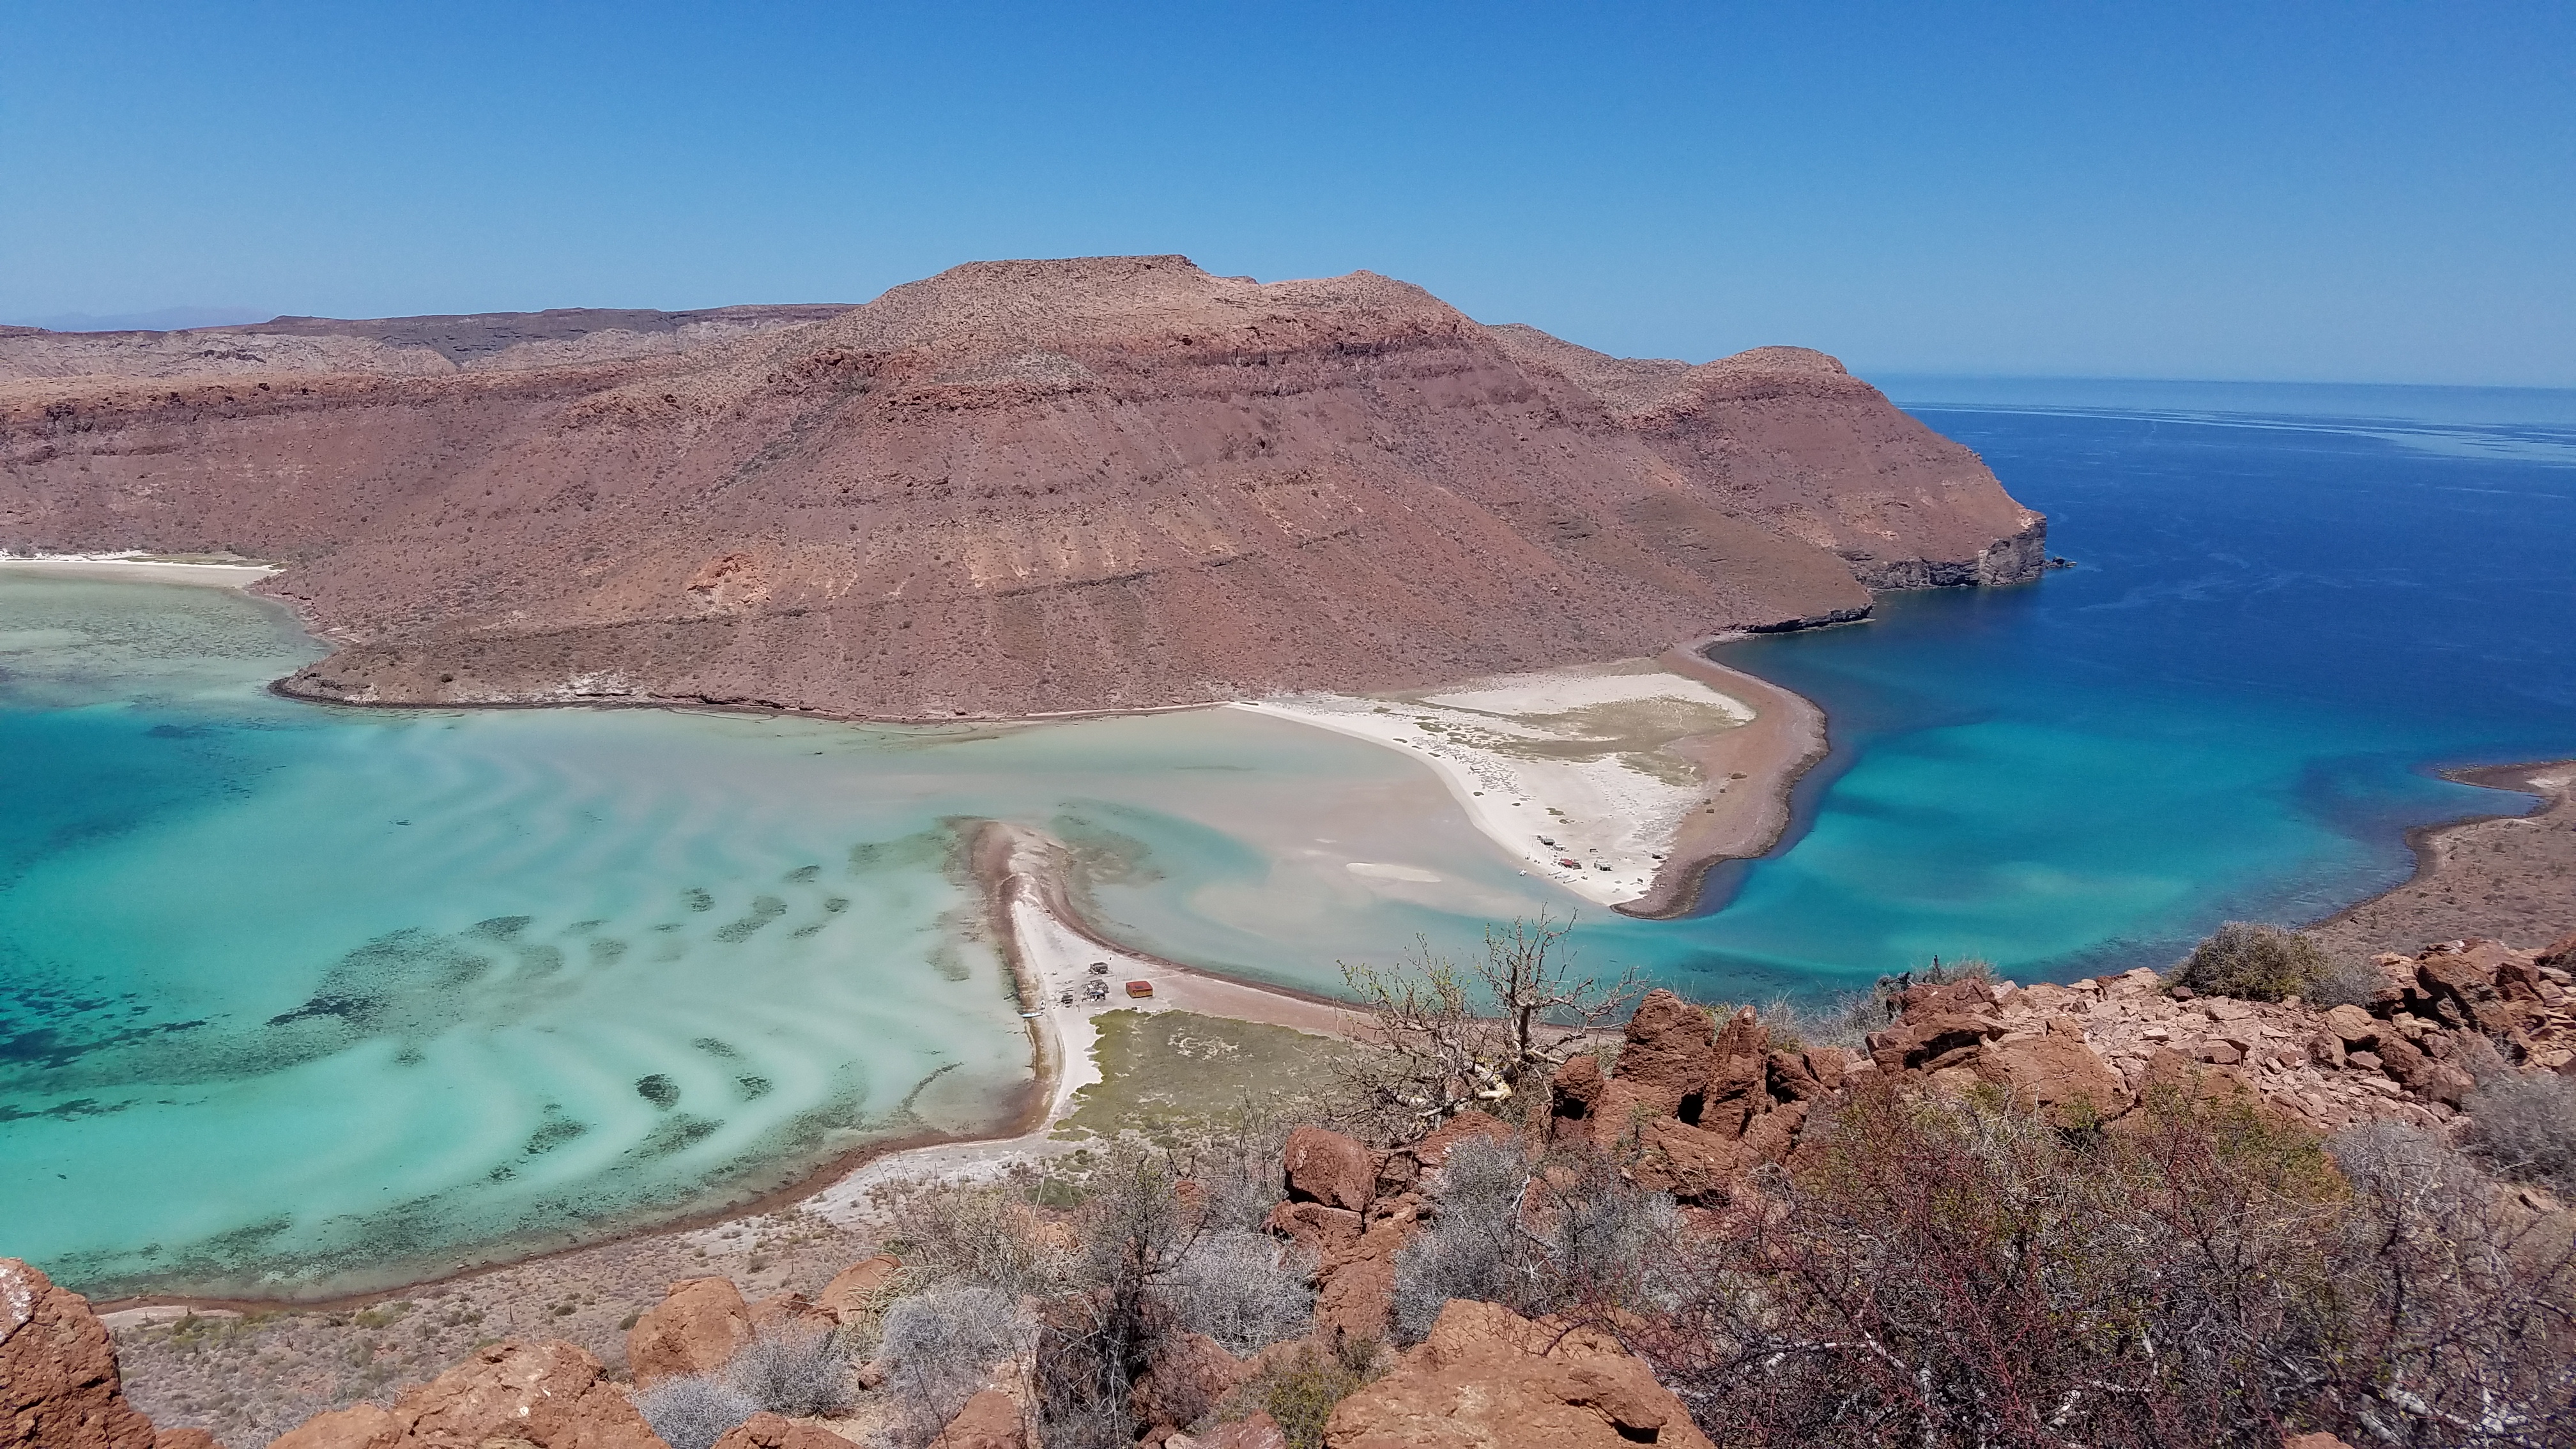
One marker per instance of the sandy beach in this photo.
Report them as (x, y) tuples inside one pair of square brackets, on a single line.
[(136, 568), (1052, 956), (1620, 782)]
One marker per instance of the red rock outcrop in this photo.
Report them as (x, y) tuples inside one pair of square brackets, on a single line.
[(768, 1431), (853, 1291), (1487, 1378), (1328, 1168), (2091, 1050), (540, 1395), (700, 1324), (59, 1387), (1016, 486), (990, 1420), (1351, 1209), (1255, 1431), (1696, 1104), (1188, 1375)]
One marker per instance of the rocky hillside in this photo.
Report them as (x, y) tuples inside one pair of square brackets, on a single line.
[(1595, 1272), (1013, 487)]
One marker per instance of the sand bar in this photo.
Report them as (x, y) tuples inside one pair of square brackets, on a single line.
[(1051, 955), (1620, 782)]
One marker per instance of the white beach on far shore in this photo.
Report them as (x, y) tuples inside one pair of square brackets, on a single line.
[(139, 568), (1575, 757)]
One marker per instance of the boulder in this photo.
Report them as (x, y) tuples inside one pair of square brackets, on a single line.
[(2558, 955), (700, 1324), (1737, 1083), (1792, 1079), (2354, 1026), (59, 1388), (1187, 1376), (1487, 1378), (541, 1395), (1966, 996), (990, 1420), (1694, 1165), (1669, 1051), (852, 1293), (1587, 1105), (1433, 1150), (1931, 1042), (1260, 1431), (2405, 1062), (1320, 1230), (2319, 1440), (1329, 1168), (1771, 1136), (768, 1431), (1356, 1292), (2057, 1076)]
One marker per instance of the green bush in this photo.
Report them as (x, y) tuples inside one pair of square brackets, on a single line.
[(2257, 962), (1301, 1392)]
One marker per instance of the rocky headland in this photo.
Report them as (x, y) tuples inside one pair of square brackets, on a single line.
[(1013, 488)]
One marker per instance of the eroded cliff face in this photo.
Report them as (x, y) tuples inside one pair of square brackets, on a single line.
[(1014, 487)]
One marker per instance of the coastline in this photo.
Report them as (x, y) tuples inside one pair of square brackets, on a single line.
[(137, 568), (2521, 884), (1786, 738), (1046, 947), (1622, 782)]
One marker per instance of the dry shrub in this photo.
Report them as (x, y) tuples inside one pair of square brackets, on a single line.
[(1243, 1289), (1533, 1233), (2256, 962), (978, 1232), (1958, 1273), (2346, 982), (792, 1370), (2525, 1127), (693, 1411), (939, 1350)]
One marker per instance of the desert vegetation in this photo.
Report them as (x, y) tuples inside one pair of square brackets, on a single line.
[(1950, 1211)]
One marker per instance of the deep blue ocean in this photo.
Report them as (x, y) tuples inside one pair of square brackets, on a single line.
[(2290, 609), (298, 1000)]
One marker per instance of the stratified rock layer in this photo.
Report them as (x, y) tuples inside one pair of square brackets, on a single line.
[(1014, 487)]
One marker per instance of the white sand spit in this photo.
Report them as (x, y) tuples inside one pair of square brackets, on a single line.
[(1565, 765)]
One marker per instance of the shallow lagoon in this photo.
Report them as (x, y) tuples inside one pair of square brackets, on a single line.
[(303, 999), (297, 999)]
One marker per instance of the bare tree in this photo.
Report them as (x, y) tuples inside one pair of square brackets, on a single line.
[(1458, 1036)]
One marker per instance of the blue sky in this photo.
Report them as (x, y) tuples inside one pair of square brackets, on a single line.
[(2345, 192)]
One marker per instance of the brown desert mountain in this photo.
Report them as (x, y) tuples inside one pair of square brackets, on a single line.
[(1011, 488)]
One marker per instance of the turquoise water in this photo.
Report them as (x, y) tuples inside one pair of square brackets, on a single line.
[(296, 999), (302, 1000)]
